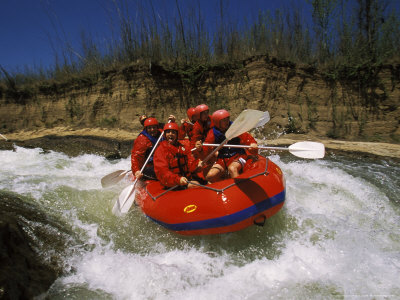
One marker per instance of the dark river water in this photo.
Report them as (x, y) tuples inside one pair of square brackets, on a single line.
[(338, 235)]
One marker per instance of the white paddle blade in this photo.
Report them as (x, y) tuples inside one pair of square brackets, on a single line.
[(311, 150), (116, 210), (128, 203), (121, 205), (263, 120), (247, 120), (113, 178)]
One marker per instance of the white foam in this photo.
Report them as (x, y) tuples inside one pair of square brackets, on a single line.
[(32, 171), (339, 236)]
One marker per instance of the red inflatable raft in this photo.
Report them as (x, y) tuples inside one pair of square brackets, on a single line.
[(225, 206)]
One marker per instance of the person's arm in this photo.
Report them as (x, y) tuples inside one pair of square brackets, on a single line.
[(138, 153), (189, 130), (193, 163), (171, 118), (182, 131), (210, 139), (247, 139), (197, 134)]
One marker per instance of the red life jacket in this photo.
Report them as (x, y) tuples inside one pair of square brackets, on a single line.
[(172, 162), (179, 164)]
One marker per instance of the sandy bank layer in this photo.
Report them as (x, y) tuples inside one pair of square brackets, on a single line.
[(378, 149), (116, 134)]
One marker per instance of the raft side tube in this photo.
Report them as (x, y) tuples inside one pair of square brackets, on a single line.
[(226, 206)]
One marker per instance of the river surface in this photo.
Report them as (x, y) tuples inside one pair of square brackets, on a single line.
[(338, 235)]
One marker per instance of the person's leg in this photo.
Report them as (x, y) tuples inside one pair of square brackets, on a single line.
[(215, 173), (234, 169)]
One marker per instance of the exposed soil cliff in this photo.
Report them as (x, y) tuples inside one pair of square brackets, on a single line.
[(365, 106)]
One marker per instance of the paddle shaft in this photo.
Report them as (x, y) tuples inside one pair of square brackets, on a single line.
[(248, 146), (144, 165), (311, 150), (141, 170), (151, 153), (219, 146)]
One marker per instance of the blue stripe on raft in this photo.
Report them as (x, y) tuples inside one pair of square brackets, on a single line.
[(227, 220)]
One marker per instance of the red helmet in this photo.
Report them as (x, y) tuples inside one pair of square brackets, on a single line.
[(218, 115), (171, 126), (190, 112), (150, 122), (199, 109)]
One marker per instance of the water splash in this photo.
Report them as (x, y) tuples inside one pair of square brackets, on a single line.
[(337, 236)]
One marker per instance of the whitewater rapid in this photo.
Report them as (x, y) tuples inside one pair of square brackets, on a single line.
[(338, 235)]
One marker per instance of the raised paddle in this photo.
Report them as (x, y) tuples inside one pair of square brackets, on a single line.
[(311, 150), (113, 178), (127, 196), (247, 120)]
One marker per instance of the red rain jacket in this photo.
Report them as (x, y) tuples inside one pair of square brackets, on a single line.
[(140, 150), (200, 131)]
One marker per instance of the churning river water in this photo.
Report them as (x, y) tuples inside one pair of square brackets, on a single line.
[(338, 235)]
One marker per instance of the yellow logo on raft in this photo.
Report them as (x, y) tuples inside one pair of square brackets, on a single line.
[(190, 208)]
